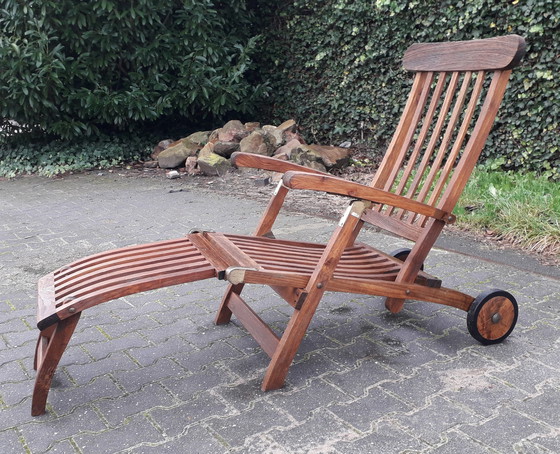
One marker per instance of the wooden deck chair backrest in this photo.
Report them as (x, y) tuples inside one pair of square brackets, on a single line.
[(457, 89)]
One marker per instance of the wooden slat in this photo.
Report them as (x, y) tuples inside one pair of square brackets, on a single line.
[(476, 141), (396, 151), (115, 290), (128, 251), (128, 275), (120, 261), (403, 291), (410, 232), (260, 331), (423, 134), (451, 159), (427, 160), (205, 247), (300, 180), (504, 52)]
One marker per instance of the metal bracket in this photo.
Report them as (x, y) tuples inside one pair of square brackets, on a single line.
[(347, 213), (236, 274), (278, 186)]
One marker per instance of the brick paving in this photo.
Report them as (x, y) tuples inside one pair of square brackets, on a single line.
[(151, 373)]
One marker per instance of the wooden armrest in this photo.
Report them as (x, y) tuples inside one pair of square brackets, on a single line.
[(331, 184), (257, 161)]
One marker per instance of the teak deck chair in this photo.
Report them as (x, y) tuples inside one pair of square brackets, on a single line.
[(455, 95)]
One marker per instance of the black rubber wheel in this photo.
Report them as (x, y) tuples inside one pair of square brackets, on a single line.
[(402, 254), (492, 316)]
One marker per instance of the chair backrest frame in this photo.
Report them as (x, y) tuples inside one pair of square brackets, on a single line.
[(452, 105)]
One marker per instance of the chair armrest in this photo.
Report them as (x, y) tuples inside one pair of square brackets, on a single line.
[(331, 184), (257, 161)]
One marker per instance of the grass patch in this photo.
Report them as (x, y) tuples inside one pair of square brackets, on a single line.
[(522, 209)]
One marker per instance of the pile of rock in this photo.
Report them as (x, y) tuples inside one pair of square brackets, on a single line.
[(208, 152)]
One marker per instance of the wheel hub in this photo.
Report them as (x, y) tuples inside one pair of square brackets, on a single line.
[(496, 318)]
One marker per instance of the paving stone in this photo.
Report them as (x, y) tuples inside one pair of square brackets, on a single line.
[(10, 442), (356, 379), (218, 351), (527, 375), (174, 346), (310, 366), (132, 432), (66, 398), (259, 417), (503, 431), (300, 402), (309, 436), (194, 439), (454, 443), (177, 419), (83, 373), (543, 407), (386, 438), (116, 410), (206, 378), (363, 412), (437, 417), (47, 430), (161, 369)]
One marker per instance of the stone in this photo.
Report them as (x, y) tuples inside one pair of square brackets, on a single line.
[(226, 149), (289, 125), (252, 125), (258, 142), (232, 131), (285, 151), (307, 157), (173, 174), (162, 145), (200, 138), (206, 150), (276, 135), (262, 181), (289, 135), (332, 157), (191, 166), (213, 164), (316, 165), (150, 164), (176, 155)]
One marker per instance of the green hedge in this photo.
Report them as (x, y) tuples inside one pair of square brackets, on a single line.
[(70, 68), (334, 65)]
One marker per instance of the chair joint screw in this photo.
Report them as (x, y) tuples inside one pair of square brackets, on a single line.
[(320, 285)]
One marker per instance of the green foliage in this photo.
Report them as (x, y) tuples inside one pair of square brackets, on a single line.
[(60, 156), (71, 68), (335, 66)]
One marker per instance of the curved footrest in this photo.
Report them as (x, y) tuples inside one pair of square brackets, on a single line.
[(120, 272), (65, 293)]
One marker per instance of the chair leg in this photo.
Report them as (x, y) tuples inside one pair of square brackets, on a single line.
[(224, 313), (394, 305), (289, 343), (50, 347)]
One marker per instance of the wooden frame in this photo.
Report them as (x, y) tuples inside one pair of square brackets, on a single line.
[(453, 102)]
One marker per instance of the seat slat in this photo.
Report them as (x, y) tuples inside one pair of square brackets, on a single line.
[(125, 251), (112, 265), (128, 274)]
